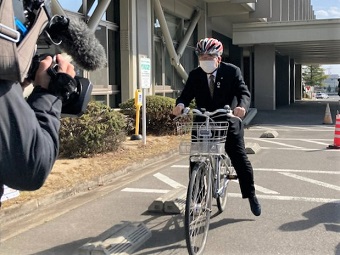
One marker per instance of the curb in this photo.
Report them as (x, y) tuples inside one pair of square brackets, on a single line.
[(15, 211)]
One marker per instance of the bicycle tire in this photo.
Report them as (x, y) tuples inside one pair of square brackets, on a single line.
[(198, 209), (225, 169)]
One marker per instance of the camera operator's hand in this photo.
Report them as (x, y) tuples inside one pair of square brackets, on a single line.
[(43, 79)]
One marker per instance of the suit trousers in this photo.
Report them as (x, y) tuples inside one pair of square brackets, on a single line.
[(236, 150)]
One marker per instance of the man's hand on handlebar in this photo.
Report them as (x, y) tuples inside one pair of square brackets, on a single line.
[(178, 110), (239, 112)]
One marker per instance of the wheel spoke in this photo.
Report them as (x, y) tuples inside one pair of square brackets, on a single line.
[(197, 212)]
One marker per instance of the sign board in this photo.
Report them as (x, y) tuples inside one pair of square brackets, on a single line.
[(145, 72)]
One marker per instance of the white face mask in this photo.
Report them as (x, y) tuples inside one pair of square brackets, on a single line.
[(208, 66)]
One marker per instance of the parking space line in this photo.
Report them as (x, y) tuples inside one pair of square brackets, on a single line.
[(290, 198), (313, 141), (297, 170), (280, 170), (265, 190), (262, 189), (278, 143), (289, 128), (161, 191), (287, 149), (167, 180), (301, 178)]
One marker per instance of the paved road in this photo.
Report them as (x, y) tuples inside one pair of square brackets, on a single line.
[(298, 184)]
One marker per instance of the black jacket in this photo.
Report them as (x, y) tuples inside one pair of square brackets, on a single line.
[(29, 136), (230, 89)]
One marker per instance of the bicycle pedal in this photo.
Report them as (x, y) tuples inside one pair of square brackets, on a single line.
[(232, 176)]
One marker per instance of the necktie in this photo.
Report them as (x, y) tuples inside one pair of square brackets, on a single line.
[(211, 84)]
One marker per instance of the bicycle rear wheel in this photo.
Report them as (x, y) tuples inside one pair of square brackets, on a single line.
[(226, 170), (198, 209)]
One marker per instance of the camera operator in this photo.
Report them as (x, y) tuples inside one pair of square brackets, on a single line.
[(29, 130)]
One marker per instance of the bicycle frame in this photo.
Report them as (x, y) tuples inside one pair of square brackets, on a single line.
[(206, 147)]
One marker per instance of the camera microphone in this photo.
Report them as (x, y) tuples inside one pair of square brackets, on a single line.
[(75, 38)]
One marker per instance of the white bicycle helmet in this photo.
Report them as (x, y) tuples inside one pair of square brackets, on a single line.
[(209, 46)]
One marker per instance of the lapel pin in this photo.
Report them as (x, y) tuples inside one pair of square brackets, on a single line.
[(218, 84)]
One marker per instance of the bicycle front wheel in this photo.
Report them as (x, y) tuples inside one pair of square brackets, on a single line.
[(198, 209), (225, 171)]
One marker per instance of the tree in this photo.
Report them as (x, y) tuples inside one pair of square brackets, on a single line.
[(313, 75)]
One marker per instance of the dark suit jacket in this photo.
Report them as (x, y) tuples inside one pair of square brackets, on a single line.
[(29, 136), (230, 89)]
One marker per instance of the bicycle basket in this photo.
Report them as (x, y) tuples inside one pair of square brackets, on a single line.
[(202, 138)]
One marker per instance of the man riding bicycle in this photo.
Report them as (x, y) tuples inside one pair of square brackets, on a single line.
[(214, 84)]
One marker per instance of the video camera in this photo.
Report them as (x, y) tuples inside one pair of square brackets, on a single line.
[(74, 93)]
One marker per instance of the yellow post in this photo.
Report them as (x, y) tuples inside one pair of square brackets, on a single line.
[(138, 104)]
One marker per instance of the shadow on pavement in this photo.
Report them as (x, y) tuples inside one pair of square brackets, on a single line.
[(68, 248), (300, 113), (327, 214)]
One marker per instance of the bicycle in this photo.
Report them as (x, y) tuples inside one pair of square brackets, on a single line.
[(211, 173)]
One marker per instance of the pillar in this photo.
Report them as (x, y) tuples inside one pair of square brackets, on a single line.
[(282, 80), (264, 77)]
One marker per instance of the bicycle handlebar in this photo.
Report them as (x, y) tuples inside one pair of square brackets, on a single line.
[(226, 110)]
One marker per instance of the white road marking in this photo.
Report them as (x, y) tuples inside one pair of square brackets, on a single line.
[(323, 184), (297, 171), (285, 149), (313, 141), (265, 190), (296, 128), (262, 189), (299, 149), (292, 139), (281, 170), (180, 166), (238, 195), (273, 142), (290, 198), (161, 191), (167, 180)]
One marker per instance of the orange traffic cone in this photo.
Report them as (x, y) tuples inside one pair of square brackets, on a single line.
[(328, 117), (336, 144)]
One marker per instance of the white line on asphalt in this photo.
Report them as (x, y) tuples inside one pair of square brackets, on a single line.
[(301, 178), (281, 170), (273, 142), (298, 149), (167, 180), (313, 141), (289, 128), (238, 195), (262, 189), (162, 191), (290, 198), (293, 139), (297, 171), (265, 190)]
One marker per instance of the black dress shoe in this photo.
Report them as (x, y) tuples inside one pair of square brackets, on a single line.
[(255, 206)]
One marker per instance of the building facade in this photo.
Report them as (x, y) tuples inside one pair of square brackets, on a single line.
[(268, 39)]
